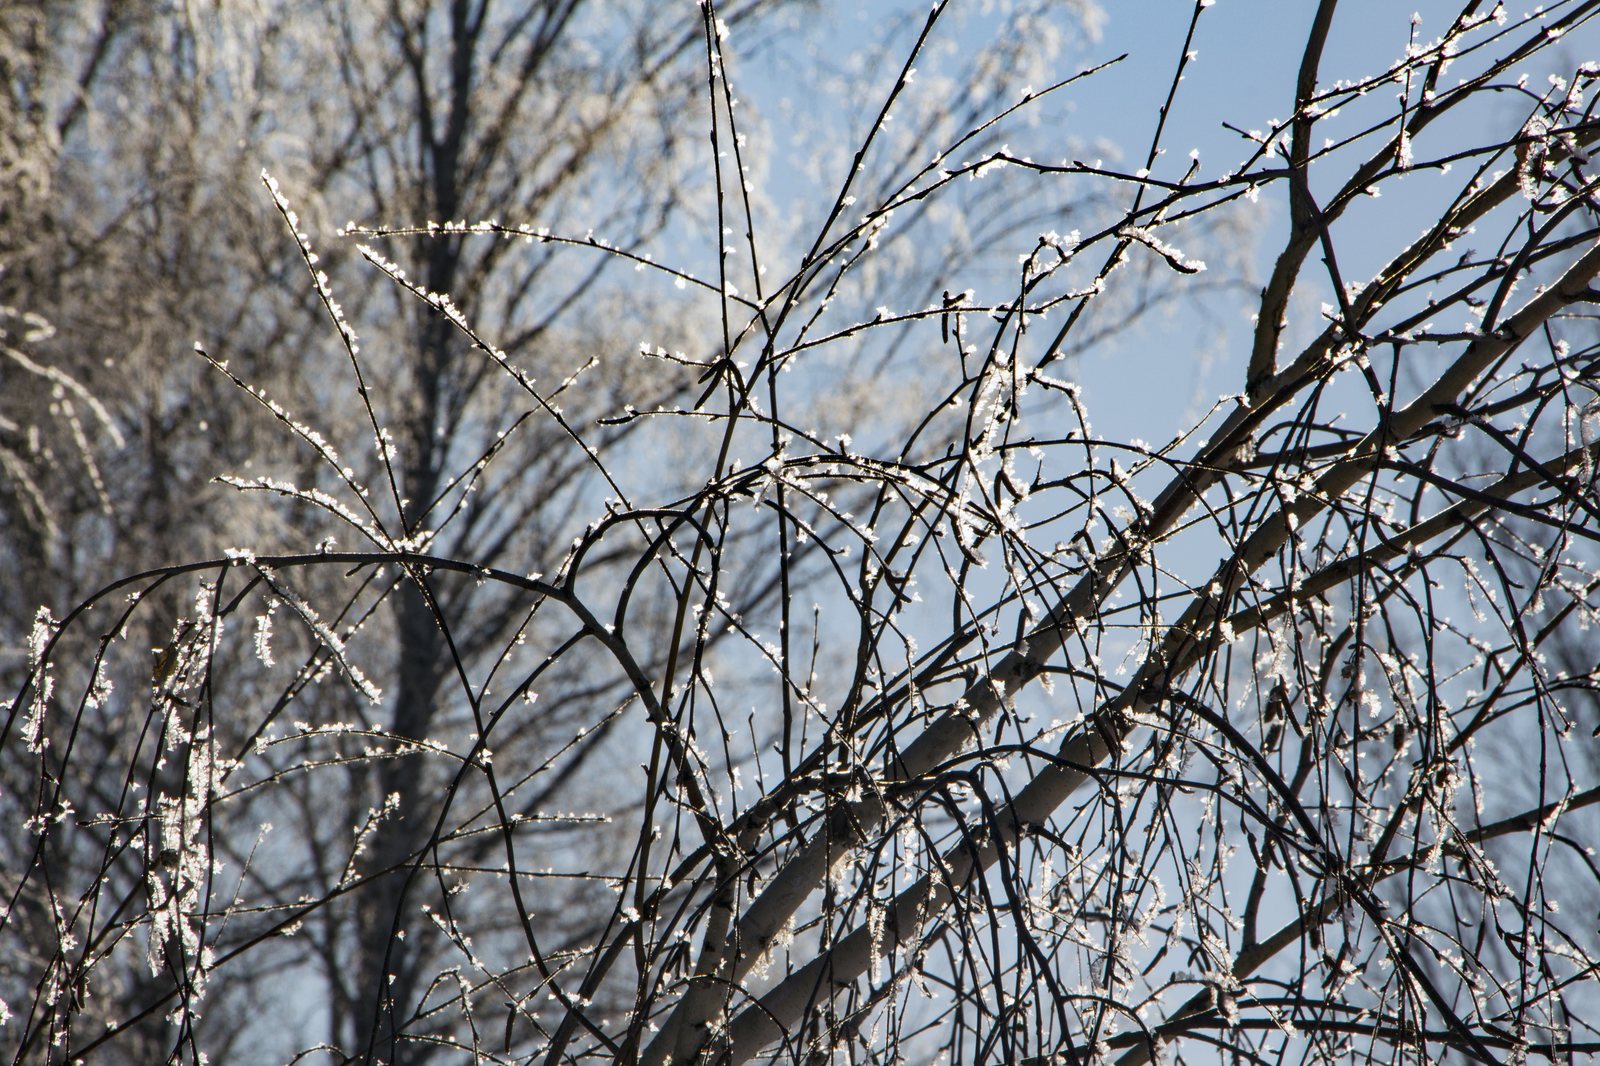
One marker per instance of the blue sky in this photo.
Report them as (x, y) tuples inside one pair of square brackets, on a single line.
[(821, 78)]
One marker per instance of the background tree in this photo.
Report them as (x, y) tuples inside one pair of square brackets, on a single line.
[(136, 137), (1257, 799)]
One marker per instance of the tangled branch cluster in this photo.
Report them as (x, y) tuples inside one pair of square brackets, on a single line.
[(923, 721)]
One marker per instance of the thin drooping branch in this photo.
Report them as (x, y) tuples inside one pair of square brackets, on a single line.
[(1186, 643), (781, 898)]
